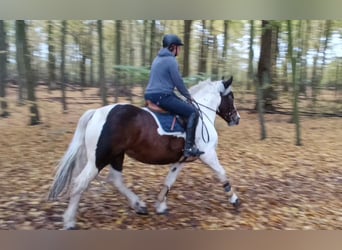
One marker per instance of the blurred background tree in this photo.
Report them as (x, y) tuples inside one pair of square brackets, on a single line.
[(3, 70), (115, 57)]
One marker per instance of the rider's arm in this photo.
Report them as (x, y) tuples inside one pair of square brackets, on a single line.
[(178, 80)]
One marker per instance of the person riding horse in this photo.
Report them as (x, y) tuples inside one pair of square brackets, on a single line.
[(164, 78)]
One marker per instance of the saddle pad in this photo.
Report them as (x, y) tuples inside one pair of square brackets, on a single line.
[(165, 122)]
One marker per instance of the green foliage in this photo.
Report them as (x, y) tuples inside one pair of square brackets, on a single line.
[(138, 75), (194, 79)]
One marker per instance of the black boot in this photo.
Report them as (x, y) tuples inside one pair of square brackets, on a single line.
[(190, 149)]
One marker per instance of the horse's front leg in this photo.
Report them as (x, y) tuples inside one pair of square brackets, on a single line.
[(161, 206), (210, 158), (115, 178)]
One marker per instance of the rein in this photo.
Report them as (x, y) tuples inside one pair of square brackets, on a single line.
[(204, 126)]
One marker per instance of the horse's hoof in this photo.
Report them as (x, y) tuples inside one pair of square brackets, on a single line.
[(72, 228), (237, 204), (165, 212), (142, 211)]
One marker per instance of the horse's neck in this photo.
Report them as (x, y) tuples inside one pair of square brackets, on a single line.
[(208, 101)]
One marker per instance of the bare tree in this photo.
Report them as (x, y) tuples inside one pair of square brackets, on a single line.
[(3, 70), (265, 64), (63, 78), (103, 88), (117, 72), (214, 52), (187, 35), (225, 45), (91, 26), (52, 57), (202, 65), (321, 48), (295, 83), (144, 44), (264, 73), (250, 73), (153, 46), (19, 42), (30, 79)]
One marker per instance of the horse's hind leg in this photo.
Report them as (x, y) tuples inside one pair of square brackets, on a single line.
[(161, 206), (115, 178), (210, 158), (79, 186)]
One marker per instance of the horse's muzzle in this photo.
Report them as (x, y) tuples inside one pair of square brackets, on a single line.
[(235, 120)]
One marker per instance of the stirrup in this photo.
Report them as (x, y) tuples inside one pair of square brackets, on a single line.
[(192, 152)]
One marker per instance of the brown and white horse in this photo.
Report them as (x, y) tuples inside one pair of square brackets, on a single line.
[(103, 136)]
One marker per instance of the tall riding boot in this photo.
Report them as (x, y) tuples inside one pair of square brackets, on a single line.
[(190, 149)]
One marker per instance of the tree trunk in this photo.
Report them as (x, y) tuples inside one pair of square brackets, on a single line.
[(131, 57), (117, 73), (214, 61), (118, 27), (19, 42), (295, 85), (83, 71), (3, 70), (103, 88), (30, 79), (274, 55), (305, 44), (187, 35), (327, 34), (63, 78), (153, 48), (52, 58), (250, 74), (91, 54), (202, 65), (265, 65), (225, 46), (143, 45)]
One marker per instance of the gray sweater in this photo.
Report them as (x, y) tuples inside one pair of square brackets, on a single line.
[(165, 76)]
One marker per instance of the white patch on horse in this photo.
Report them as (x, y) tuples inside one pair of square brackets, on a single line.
[(160, 129)]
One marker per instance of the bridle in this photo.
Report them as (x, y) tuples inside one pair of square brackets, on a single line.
[(204, 126)]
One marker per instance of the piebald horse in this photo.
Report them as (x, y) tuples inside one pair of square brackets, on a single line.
[(103, 136)]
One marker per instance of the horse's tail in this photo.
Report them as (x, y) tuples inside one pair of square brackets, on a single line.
[(69, 161)]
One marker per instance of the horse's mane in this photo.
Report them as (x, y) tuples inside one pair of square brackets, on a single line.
[(198, 87)]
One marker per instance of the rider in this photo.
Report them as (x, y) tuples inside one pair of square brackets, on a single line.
[(164, 78)]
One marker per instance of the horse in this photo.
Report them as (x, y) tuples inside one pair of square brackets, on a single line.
[(103, 136)]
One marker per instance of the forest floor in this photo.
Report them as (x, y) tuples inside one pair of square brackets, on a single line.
[(281, 186)]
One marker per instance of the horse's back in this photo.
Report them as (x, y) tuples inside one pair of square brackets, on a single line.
[(132, 130)]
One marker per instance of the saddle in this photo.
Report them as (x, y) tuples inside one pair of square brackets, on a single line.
[(155, 108), (169, 122)]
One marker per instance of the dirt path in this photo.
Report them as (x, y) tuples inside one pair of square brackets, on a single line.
[(282, 186)]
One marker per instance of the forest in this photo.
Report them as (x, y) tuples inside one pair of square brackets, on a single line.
[(297, 57), (287, 87)]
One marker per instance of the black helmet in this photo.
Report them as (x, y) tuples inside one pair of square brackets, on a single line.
[(169, 40)]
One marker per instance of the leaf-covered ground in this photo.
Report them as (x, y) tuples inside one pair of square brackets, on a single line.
[(282, 186)]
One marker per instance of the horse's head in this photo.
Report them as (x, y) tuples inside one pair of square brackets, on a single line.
[(227, 109)]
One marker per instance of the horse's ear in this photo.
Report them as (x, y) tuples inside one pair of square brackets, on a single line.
[(228, 82)]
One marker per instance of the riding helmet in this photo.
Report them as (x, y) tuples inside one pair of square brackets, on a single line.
[(170, 40)]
